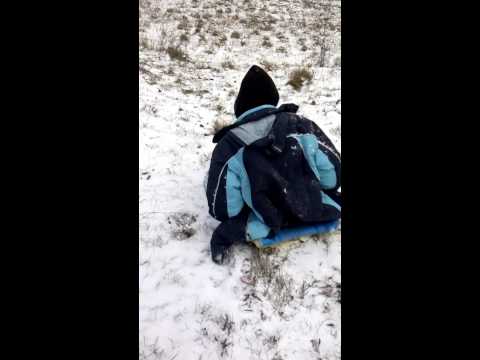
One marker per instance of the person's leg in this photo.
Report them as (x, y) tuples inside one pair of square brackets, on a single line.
[(226, 234)]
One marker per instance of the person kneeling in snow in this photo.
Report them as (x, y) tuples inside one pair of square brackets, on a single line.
[(274, 175)]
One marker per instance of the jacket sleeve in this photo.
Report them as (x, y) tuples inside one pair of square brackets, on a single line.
[(223, 192), (327, 160)]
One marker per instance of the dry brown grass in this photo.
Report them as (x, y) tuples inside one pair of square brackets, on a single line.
[(222, 40), (228, 65), (278, 287), (267, 65), (176, 53), (298, 77), (183, 25), (266, 42), (199, 25)]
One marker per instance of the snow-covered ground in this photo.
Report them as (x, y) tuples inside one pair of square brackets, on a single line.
[(279, 304)]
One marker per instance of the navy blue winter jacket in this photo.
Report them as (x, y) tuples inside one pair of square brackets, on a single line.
[(277, 167)]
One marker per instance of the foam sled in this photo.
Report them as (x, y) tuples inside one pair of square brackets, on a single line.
[(291, 234)]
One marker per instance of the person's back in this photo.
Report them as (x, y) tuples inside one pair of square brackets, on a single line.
[(271, 170)]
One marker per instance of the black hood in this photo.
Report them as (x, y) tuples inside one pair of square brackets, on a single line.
[(257, 89)]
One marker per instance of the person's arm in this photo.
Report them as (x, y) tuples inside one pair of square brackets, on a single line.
[(328, 160), (224, 184)]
